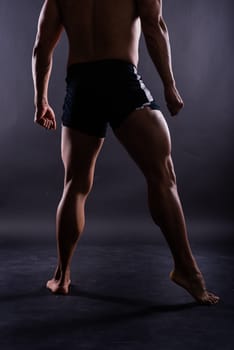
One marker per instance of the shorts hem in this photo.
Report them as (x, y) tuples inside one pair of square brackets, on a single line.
[(84, 130)]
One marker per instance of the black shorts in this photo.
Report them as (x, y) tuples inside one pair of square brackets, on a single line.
[(101, 93)]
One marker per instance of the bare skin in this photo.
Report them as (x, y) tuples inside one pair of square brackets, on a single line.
[(110, 29)]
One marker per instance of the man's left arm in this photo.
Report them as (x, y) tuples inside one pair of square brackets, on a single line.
[(48, 34)]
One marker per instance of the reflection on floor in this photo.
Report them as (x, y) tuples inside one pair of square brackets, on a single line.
[(121, 298)]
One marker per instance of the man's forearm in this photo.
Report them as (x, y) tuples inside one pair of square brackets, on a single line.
[(41, 70), (158, 44)]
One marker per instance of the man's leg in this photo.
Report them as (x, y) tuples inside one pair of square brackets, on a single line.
[(79, 154), (145, 136)]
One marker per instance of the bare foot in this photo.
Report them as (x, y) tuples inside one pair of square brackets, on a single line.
[(59, 284), (56, 287), (195, 285)]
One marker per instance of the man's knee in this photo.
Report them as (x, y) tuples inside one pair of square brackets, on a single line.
[(161, 177), (79, 183)]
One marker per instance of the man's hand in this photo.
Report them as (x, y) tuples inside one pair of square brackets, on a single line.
[(44, 116), (173, 100)]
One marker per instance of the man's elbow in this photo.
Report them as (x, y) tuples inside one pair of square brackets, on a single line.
[(37, 49), (162, 24), (41, 52), (154, 25)]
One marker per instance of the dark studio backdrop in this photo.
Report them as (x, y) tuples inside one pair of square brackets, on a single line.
[(201, 34)]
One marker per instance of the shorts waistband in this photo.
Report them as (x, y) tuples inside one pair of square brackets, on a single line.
[(111, 66)]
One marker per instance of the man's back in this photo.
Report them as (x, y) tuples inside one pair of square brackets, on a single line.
[(101, 29)]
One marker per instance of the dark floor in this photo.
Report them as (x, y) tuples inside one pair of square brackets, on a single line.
[(121, 298)]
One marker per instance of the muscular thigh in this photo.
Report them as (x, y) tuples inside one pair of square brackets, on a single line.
[(79, 152), (146, 138)]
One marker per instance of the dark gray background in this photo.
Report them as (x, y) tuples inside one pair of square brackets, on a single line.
[(121, 297), (201, 35)]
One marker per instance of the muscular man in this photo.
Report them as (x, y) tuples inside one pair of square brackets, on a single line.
[(103, 87)]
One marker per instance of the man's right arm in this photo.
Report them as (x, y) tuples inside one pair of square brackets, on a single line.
[(48, 34), (158, 45)]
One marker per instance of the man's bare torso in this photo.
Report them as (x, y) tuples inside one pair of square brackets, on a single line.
[(101, 29)]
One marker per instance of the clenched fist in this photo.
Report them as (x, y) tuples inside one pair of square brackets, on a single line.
[(44, 116), (173, 100)]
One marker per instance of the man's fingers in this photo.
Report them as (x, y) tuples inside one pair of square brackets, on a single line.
[(175, 108), (45, 117), (39, 121), (174, 100), (46, 123), (51, 125)]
